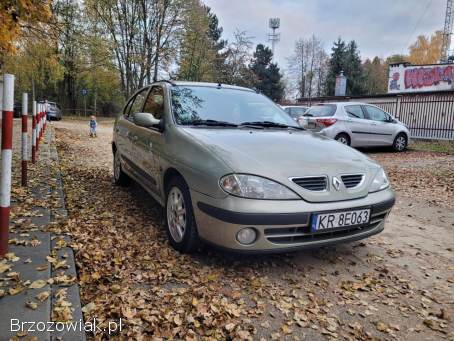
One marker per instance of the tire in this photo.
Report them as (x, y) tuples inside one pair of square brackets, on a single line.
[(343, 138), (400, 143), (180, 222), (120, 178)]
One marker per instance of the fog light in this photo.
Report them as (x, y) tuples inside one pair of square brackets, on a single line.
[(246, 236)]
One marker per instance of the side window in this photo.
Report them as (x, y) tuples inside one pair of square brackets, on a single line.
[(354, 111), (288, 110), (155, 102), (128, 107), (376, 114), (299, 111), (136, 104)]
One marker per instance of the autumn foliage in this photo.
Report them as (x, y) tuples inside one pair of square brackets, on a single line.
[(16, 16)]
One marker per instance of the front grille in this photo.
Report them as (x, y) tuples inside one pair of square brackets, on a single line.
[(352, 180), (300, 237), (303, 234), (312, 183)]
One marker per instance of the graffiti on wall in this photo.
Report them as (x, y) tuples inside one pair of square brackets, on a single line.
[(428, 76), (405, 78)]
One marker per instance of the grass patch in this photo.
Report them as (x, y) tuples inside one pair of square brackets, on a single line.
[(433, 146)]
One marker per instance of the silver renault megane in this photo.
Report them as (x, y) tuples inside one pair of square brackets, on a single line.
[(233, 169)]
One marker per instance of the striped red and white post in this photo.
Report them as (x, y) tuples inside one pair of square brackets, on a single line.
[(7, 144), (24, 139), (39, 122), (38, 126), (45, 114), (43, 121), (34, 133)]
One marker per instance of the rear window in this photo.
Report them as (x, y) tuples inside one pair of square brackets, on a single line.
[(321, 110)]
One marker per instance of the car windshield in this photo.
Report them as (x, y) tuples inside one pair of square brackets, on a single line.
[(321, 110), (195, 104)]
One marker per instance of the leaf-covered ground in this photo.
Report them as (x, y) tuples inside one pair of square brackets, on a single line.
[(397, 285)]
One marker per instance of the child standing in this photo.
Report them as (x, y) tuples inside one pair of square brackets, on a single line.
[(93, 125)]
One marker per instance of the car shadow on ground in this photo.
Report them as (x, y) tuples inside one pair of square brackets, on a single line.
[(211, 255)]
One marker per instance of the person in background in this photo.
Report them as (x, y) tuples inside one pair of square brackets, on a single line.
[(93, 125)]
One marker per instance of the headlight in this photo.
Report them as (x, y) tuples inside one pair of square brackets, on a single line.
[(255, 187), (380, 182)]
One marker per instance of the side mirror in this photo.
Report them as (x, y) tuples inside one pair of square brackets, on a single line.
[(147, 120)]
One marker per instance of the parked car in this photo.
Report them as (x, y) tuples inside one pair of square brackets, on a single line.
[(223, 162), (295, 111), (357, 124), (53, 111)]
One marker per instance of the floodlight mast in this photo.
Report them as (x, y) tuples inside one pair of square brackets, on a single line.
[(273, 37), (447, 32)]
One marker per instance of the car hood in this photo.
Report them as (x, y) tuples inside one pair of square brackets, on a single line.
[(281, 154)]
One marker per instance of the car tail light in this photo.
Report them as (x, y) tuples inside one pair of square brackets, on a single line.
[(326, 121)]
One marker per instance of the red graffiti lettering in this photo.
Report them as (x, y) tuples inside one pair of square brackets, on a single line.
[(428, 76)]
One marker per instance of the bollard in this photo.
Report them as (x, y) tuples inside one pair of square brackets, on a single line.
[(37, 127), (24, 139), (34, 133), (45, 114), (40, 126), (39, 122), (7, 144)]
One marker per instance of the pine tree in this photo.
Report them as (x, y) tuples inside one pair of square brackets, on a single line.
[(353, 70), (345, 58), (336, 65), (267, 74), (201, 48)]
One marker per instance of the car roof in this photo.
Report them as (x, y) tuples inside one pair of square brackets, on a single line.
[(206, 84), (342, 104)]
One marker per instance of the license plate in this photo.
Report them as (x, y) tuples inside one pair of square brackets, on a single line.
[(310, 125), (325, 221)]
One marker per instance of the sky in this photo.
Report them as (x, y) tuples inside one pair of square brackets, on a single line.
[(380, 28)]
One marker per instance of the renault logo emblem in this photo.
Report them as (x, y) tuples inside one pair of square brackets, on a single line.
[(336, 183)]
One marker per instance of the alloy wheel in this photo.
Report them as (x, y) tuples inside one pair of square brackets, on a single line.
[(176, 214), (401, 142)]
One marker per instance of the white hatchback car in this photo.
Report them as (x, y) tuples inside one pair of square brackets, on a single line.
[(357, 124)]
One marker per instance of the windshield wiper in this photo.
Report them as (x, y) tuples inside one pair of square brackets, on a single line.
[(269, 124), (212, 123)]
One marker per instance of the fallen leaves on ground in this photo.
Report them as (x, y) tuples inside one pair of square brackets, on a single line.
[(127, 270)]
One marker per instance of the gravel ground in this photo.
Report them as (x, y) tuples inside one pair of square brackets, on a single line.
[(396, 285)]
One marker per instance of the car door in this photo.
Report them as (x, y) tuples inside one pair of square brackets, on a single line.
[(149, 142), (358, 125), (381, 126), (125, 131)]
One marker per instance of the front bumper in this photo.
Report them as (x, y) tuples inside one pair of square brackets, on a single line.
[(288, 228)]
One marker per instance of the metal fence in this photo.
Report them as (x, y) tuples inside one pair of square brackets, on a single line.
[(427, 115)]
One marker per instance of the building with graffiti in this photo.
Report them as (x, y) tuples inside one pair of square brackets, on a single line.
[(405, 77)]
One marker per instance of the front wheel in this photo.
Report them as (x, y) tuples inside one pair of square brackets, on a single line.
[(180, 221), (120, 178), (400, 142)]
